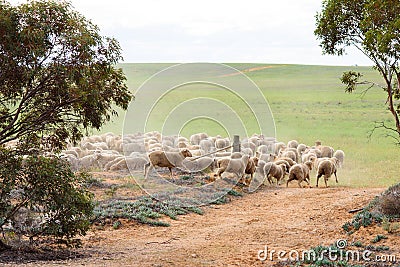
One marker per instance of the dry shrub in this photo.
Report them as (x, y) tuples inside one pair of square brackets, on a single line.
[(389, 202)]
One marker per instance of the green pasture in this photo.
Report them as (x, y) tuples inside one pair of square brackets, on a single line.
[(308, 103)]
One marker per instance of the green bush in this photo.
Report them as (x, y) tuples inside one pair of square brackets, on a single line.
[(41, 196)]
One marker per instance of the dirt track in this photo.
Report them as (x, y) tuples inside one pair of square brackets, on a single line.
[(232, 234)]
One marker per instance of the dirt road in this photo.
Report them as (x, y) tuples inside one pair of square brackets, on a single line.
[(230, 234)]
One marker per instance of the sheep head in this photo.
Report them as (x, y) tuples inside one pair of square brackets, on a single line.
[(186, 153)]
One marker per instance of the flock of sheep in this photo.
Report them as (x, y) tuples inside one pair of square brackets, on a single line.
[(261, 156)]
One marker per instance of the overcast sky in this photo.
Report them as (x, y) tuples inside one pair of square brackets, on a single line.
[(264, 31)]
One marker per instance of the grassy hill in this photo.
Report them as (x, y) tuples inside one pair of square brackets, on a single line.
[(308, 103)]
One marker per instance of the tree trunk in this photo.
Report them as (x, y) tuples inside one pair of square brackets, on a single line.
[(392, 109)]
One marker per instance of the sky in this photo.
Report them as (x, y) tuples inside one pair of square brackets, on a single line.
[(221, 31)]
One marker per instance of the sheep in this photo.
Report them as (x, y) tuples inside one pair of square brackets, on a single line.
[(250, 145), (200, 164), (206, 145), (221, 143), (129, 163), (327, 168), (103, 158), (197, 152), (116, 160), (273, 170), (315, 151), (326, 151), (251, 168), (265, 157), (236, 155), (284, 162), (166, 159), (72, 160), (300, 172), (222, 154), (308, 157), (195, 139), (289, 154), (222, 164), (88, 162), (289, 160), (292, 144), (339, 154), (301, 148), (263, 149), (248, 151), (237, 167), (278, 147)]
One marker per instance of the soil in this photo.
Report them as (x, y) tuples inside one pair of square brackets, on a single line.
[(226, 235)]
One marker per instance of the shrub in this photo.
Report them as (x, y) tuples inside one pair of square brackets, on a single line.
[(41, 196), (389, 202)]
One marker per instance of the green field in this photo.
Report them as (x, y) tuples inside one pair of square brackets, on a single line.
[(308, 104)]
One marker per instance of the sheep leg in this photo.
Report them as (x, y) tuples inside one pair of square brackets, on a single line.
[(336, 177), (326, 181), (318, 176), (299, 182), (146, 166), (287, 182), (170, 171)]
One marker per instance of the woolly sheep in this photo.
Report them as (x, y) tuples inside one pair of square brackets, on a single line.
[(129, 163), (221, 143), (88, 162), (300, 172), (278, 147), (308, 157), (250, 145), (289, 154), (236, 155), (339, 154), (166, 159), (237, 167), (196, 165), (103, 158), (289, 160), (195, 139), (250, 169), (326, 168), (273, 170), (301, 148), (263, 149), (206, 145), (222, 164), (292, 144), (248, 151), (108, 165)]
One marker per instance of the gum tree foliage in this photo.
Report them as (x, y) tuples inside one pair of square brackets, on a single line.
[(39, 197), (57, 73), (373, 27), (58, 78)]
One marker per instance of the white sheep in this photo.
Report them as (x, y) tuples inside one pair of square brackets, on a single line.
[(292, 144), (200, 164), (129, 163), (339, 154), (206, 145), (236, 167)]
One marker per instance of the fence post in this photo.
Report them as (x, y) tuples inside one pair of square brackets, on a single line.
[(236, 144)]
